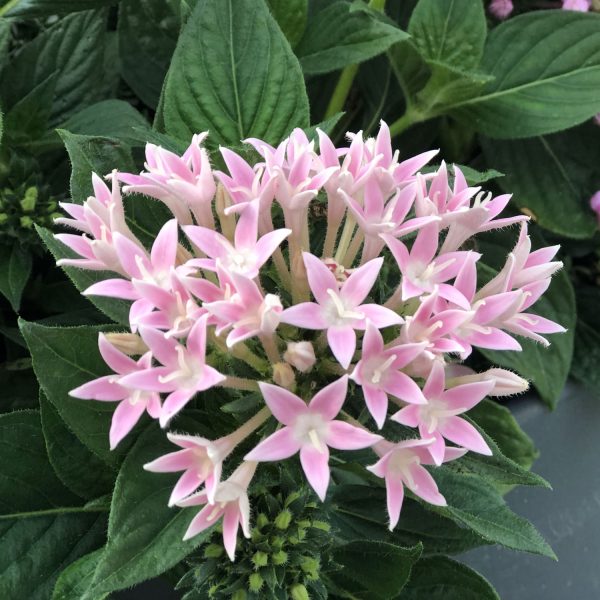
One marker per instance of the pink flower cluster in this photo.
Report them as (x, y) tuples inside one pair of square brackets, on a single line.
[(502, 9), (263, 288)]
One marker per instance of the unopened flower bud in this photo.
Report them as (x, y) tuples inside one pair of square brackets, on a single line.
[(280, 558), (255, 582), (29, 200), (283, 375), (213, 551), (300, 355), (283, 519), (506, 382), (260, 559), (298, 592), (128, 343), (239, 595)]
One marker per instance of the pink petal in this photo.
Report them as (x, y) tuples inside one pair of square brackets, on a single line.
[(210, 377), (103, 388), (164, 248), (380, 315), (395, 496), (372, 341), (116, 360), (173, 404), (149, 379), (342, 341), (468, 395), (203, 520), (463, 434), (315, 464), (268, 243), (402, 386), (285, 406), (398, 250), (172, 462), (231, 520), (124, 418), (320, 279), (425, 245), (307, 315), (377, 403), (163, 349), (434, 386), (213, 244), (329, 401), (409, 416), (357, 287), (188, 483), (437, 448), (113, 288), (425, 486), (129, 253), (246, 231), (196, 340), (343, 436), (280, 445)]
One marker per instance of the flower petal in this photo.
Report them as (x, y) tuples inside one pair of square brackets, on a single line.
[(320, 278), (285, 406), (315, 464), (329, 401), (463, 434), (342, 341), (307, 315), (124, 418), (357, 287), (425, 486), (394, 498), (278, 446), (343, 436)]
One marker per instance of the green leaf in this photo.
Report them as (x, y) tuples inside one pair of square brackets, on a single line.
[(452, 32), (474, 503), (562, 168), (373, 570), (144, 534), (233, 73), (35, 550), (117, 310), (340, 35), (43, 8), (498, 422), (15, 269), (63, 359), (359, 511), (108, 119), (441, 578), (546, 66), (28, 118), (148, 32), (291, 16), (74, 581), (547, 368), (73, 48), (27, 481), (497, 468), (76, 466)]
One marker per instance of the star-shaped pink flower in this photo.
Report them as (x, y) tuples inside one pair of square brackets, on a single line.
[(311, 430), (340, 310)]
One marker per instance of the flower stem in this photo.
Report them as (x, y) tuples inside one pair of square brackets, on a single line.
[(239, 383), (345, 238), (251, 425), (353, 249), (270, 346), (408, 119), (241, 352), (8, 6)]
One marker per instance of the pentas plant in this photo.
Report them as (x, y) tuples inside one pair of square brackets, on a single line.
[(376, 313)]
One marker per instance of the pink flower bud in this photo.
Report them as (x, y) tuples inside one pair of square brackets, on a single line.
[(300, 355), (595, 205), (128, 343), (283, 375), (506, 383)]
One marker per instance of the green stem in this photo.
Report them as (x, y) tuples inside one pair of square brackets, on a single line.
[(342, 89), (55, 511), (6, 8), (409, 118), (239, 383)]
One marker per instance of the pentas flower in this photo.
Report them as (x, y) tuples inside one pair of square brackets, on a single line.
[(183, 371), (378, 373), (247, 254), (501, 9), (133, 402), (311, 430), (181, 182), (438, 417), (578, 5), (231, 503), (339, 309), (244, 282), (400, 465), (595, 205)]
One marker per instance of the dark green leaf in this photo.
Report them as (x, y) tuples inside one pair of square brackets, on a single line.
[(291, 18), (553, 177), (373, 570), (15, 268), (498, 422), (233, 73), (144, 535), (27, 481), (473, 502), (587, 339), (35, 550), (73, 48), (441, 578), (547, 368), (63, 359), (76, 466), (43, 8), (74, 581), (338, 36), (449, 31), (148, 33), (546, 66)]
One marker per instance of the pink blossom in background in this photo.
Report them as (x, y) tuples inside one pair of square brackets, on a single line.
[(501, 9), (595, 205)]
